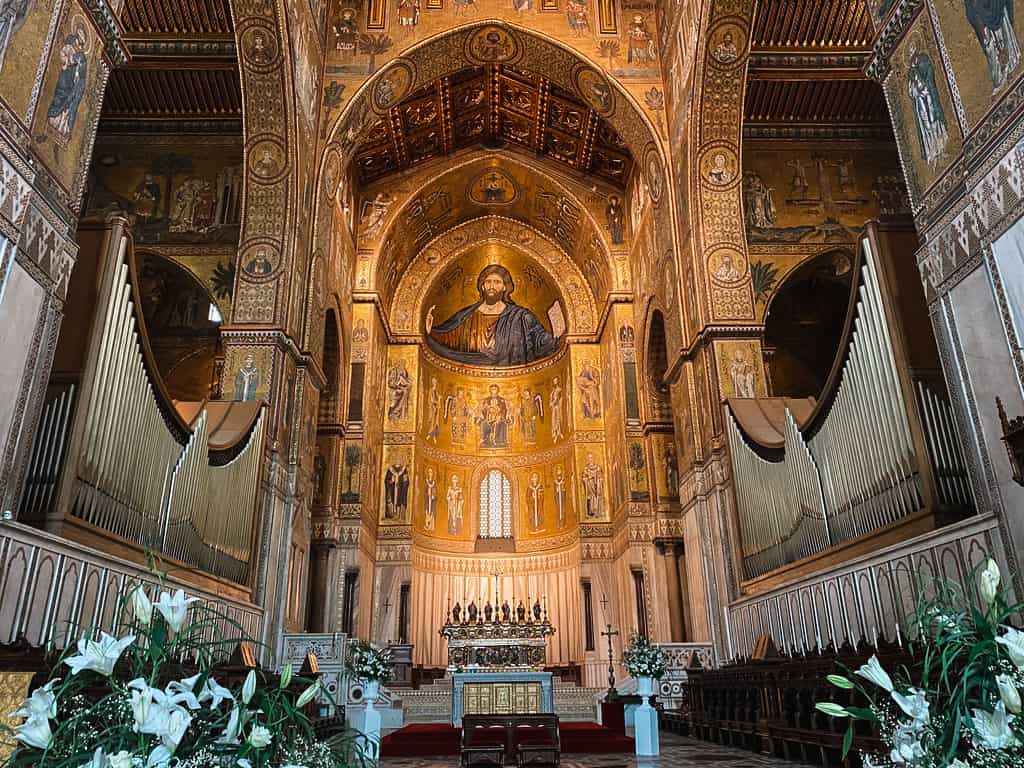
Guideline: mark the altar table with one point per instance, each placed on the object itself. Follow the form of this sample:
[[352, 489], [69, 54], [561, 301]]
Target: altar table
[[501, 693]]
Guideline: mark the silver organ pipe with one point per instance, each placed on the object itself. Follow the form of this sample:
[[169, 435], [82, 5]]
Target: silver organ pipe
[[944, 448], [47, 455], [859, 471], [785, 519], [211, 516], [128, 453], [134, 475]]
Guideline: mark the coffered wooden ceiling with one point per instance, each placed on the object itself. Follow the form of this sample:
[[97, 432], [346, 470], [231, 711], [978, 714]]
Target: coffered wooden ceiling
[[494, 106], [182, 72], [181, 18], [807, 66], [813, 25]]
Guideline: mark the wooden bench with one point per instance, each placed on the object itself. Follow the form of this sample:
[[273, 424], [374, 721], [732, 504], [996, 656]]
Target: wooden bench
[[527, 741], [768, 705]]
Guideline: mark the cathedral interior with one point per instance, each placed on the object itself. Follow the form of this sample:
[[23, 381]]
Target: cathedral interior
[[698, 319]]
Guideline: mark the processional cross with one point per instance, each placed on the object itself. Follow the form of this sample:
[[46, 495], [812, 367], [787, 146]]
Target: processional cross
[[612, 694]]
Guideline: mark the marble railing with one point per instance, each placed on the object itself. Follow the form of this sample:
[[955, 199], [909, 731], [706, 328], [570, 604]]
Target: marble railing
[[54, 589], [679, 657], [330, 650], [867, 598]]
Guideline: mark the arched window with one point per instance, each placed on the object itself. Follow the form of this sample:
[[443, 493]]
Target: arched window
[[495, 506]]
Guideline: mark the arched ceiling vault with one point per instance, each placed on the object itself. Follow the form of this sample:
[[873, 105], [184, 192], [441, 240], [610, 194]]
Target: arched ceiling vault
[[490, 44], [494, 105], [401, 215]]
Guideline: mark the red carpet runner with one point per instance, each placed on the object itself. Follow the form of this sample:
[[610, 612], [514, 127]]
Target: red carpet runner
[[438, 739]]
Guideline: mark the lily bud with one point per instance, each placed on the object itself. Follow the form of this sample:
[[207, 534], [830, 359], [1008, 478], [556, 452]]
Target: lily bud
[[142, 607], [249, 687], [990, 578], [286, 676], [307, 695]]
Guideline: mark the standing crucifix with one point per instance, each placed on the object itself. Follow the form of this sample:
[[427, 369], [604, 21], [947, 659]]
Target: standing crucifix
[[612, 694], [386, 605]]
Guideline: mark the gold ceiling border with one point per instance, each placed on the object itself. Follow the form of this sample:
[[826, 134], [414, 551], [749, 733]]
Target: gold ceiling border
[[718, 227], [481, 565], [427, 265]]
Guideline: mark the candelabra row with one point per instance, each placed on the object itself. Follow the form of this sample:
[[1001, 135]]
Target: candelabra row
[[458, 615]]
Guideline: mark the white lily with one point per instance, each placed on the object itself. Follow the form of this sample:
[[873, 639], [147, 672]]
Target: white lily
[[259, 737], [159, 713], [35, 732], [249, 686], [98, 760], [1013, 641], [914, 704], [237, 720], [100, 656], [873, 671], [178, 721], [958, 763], [1008, 693], [150, 715], [180, 692], [142, 607], [174, 608], [993, 728], [42, 703], [990, 578], [160, 757], [211, 691], [122, 759], [906, 746]]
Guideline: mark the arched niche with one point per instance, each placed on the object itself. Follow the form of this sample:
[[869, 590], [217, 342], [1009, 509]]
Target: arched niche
[[399, 216], [466, 243], [804, 324], [183, 325]]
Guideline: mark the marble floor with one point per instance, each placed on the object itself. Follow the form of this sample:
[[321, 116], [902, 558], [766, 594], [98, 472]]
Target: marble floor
[[676, 752]]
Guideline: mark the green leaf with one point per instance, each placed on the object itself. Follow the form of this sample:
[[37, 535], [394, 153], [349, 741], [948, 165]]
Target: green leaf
[[831, 709], [840, 682], [862, 713], [847, 741]]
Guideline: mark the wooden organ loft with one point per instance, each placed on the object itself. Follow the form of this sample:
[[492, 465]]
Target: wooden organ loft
[[120, 466], [875, 460]]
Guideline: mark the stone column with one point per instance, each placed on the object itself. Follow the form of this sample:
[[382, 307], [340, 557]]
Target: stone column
[[684, 594], [319, 571], [675, 604]]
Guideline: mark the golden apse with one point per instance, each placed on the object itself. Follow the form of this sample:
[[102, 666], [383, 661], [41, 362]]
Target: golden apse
[[493, 466]]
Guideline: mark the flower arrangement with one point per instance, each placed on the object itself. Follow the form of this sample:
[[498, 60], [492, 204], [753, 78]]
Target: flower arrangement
[[148, 698], [367, 663], [642, 659], [964, 709]]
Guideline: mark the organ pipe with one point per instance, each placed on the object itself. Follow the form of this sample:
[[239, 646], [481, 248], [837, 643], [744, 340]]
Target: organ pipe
[[858, 469], [140, 471]]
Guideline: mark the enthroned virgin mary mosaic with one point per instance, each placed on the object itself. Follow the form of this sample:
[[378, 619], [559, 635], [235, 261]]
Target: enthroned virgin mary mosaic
[[495, 331]]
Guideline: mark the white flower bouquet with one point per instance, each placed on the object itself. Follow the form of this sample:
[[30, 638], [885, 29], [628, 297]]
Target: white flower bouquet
[[148, 698], [642, 659], [963, 710], [367, 663]]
